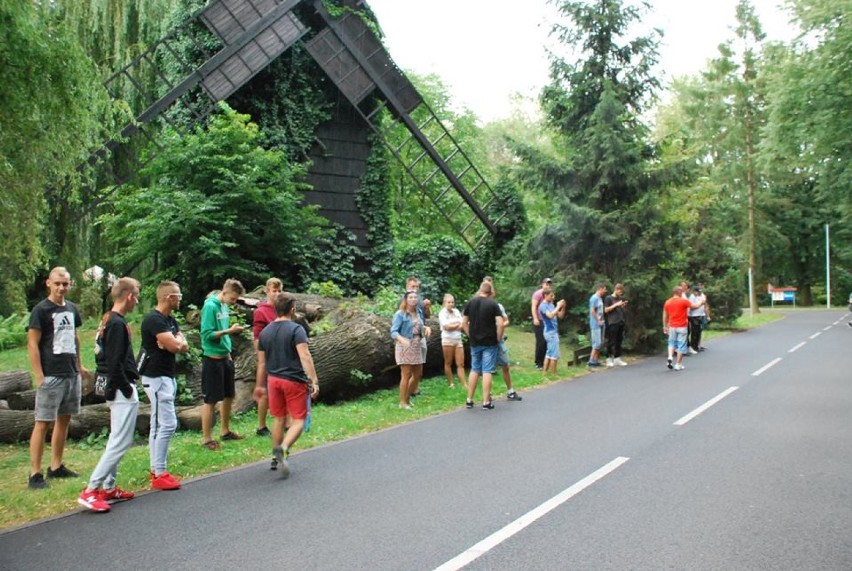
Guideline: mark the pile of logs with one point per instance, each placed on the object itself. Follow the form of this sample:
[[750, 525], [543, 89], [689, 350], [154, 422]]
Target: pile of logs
[[355, 357]]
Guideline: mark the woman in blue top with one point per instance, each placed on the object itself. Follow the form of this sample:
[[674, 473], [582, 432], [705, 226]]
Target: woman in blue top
[[406, 331], [550, 315]]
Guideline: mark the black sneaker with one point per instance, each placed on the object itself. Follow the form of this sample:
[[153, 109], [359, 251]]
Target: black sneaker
[[514, 396], [36, 482], [468, 403], [62, 472], [488, 405], [262, 431], [669, 363]]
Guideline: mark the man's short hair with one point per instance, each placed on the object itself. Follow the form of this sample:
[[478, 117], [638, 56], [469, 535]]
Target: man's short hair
[[165, 289], [600, 286], [234, 286], [274, 282], [486, 288], [122, 287], [617, 287], [284, 304], [58, 270]]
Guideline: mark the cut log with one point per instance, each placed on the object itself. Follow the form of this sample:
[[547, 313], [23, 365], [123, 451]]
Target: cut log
[[24, 400], [16, 425], [14, 382]]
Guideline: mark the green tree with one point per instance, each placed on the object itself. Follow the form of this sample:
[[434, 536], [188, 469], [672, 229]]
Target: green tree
[[218, 205], [52, 112]]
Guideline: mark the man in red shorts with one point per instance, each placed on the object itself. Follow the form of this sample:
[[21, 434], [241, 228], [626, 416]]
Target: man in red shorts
[[286, 375]]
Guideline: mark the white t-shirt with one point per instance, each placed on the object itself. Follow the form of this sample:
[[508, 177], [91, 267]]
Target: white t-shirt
[[447, 318], [699, 312]]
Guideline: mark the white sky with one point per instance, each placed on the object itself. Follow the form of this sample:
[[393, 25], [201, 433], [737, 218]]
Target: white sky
[[487, 50]]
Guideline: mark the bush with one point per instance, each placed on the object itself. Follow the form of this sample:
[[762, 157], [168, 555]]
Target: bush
[[13, 331]]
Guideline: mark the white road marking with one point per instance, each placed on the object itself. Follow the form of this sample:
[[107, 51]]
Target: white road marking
[[683, 420], [528, 518], [815, 335], [826, 328], [797, 347], [766, 367]]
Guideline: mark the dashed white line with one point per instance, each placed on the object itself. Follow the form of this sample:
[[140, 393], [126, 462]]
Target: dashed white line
[[827, 327], [797, 347], [815, 335], [683, 420], [766, 367], [528, 518]]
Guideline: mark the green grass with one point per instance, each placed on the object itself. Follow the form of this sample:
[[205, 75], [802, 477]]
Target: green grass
[[331, 423]]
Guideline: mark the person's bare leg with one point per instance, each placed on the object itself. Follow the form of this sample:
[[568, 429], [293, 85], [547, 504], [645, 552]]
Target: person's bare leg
[[459, 354], [37, 445], [449, 354], [226, 416], [58, 439], [207, 412]]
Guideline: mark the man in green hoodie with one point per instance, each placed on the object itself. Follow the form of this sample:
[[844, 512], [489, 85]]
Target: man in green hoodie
[[217, 366]]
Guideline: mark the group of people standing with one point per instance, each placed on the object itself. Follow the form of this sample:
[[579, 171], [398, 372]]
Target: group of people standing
[[483, 320], [286, 378]]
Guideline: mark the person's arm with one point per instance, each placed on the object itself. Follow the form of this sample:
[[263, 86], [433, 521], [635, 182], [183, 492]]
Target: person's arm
[[33, 339], [534, 310], [308, 366], [706, 308], [116, 342], [560, 308], [465, 325], [396, 326], [172, 343], [665, 321], [208, 326], [260, 376], [499, 321]]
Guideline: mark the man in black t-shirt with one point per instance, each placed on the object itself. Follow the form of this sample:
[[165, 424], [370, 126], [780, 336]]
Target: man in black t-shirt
[[53, 344], [161, 340], [482, 321], [614, 318], [285, 366]]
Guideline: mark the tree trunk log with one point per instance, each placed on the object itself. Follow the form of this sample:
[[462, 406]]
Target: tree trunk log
[[14, 382], [24, 400]]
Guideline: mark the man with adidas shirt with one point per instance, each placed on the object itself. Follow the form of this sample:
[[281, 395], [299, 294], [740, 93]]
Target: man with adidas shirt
[[53, 345], [161, 340]]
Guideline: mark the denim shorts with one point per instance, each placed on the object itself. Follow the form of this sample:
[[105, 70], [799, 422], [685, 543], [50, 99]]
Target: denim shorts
[[677, 338], [483, 358], [552, 340], [502, 355], [597, 337], [57, 396]]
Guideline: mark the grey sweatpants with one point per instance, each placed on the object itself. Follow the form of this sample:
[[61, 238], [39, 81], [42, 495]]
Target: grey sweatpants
[[161, 394], [122, 424]]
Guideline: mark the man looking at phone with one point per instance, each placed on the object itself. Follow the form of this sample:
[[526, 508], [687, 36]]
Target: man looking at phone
[[614, 316], [217, 366]]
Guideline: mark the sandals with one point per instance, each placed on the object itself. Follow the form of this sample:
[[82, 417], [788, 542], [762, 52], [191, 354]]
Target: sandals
[[231, 436], [211, 445]]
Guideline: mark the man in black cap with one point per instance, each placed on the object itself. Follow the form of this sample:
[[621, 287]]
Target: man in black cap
[[538, 326]]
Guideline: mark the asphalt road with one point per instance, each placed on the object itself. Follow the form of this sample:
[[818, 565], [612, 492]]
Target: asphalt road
[[741, 461]]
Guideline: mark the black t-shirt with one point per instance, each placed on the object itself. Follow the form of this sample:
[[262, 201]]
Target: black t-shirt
[[278, 341], [617, 314], [58, 344], [482, 313], [116, 361], [161, 363]]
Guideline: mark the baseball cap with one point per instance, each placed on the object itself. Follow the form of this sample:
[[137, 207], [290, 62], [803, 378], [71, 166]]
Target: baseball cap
[[547, 281]]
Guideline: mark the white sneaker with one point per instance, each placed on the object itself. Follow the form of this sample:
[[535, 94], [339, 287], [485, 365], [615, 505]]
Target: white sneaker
[[609, 362], [679, 367], [692, 351], [619, 362]]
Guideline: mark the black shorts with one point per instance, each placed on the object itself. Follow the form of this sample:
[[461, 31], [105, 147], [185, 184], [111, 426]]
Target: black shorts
[[217, 379]]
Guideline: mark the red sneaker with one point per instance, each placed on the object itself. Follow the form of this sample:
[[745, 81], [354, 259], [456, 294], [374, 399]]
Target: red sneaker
[[92, 499], [165, 481], [116, 495]]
